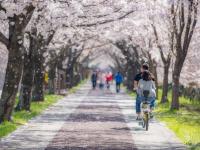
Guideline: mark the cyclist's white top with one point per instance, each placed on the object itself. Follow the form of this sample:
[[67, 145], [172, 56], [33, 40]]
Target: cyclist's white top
[[147, 85]]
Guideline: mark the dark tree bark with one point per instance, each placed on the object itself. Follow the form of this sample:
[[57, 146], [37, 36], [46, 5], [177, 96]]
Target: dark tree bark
[[76, 75], [52, 76], [153, 70], [26, 84], [165, 88], [38, 91], [28, 71], [2, 8], [152, 64], [39, 61], [12, 79], [176, 83], [166, 61], [70, 75], [15, 61], [132, 65], [28, 75], [56, 63], [72, 61], [183, 28], [131, 72]]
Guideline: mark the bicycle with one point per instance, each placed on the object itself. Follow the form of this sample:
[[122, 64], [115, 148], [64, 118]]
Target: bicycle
[[145, 107]]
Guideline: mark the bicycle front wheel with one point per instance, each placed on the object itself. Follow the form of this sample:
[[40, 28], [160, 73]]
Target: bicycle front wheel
[[147, 121]]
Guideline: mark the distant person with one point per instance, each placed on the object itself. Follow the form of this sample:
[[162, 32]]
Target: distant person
[[102, 80], [118, 80], [109, 78], [94, 79]]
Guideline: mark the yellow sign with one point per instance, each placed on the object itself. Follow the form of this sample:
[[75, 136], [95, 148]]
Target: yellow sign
[[46, 78]]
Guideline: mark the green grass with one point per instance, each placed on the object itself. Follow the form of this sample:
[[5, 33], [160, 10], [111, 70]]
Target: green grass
[[132, 94], [184, 122], [22, 117], [74, 89]]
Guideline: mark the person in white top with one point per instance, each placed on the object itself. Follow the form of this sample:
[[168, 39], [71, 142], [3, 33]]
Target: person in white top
[[147, 84]]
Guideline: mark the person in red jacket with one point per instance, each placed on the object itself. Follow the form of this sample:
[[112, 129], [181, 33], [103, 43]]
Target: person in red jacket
[[109, 78]]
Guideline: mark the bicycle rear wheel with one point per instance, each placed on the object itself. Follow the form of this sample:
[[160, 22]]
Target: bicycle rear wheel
[[144, 121], [147, 121]]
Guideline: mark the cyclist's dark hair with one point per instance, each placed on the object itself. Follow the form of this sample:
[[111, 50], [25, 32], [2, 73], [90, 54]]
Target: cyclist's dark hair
[[146, 75], [145, 66]]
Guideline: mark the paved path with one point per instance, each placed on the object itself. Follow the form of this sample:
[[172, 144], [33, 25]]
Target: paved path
[[91, 120]]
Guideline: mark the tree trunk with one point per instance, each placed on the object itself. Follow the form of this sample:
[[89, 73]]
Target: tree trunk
[[153, 70], [176, 77], [156, 78], [38, 91], [164, 98], [175, 92], [11, 83], [26, 84], [52, 75], [77, 76], [70, 76], [28, 74], [130, 77], [51, 86], [71, 72], [14, 44]]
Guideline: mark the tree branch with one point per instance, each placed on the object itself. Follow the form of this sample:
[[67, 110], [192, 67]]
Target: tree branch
[[50, 37], [29, 12], [158, 44], [2, 8], [194, 22], [105, 21], [4, 39], [191, 23]]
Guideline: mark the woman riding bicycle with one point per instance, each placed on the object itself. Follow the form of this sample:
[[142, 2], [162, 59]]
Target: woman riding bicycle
[[147, 84]]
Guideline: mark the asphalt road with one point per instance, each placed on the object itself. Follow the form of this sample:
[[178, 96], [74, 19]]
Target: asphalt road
[[91, 120]]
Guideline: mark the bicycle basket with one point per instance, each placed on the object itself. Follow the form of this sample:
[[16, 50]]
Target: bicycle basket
[[144, 105]]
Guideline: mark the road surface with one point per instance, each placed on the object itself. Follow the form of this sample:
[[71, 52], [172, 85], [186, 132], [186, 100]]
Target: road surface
[[91, 120]]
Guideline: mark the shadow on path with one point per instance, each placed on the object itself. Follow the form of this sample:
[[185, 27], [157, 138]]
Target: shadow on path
[[97, 124]]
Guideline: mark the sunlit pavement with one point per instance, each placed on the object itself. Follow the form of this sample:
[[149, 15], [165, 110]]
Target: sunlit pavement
[[91, 120], [159, 137]]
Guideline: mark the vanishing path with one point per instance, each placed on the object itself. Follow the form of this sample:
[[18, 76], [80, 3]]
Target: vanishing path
[[91, 120]]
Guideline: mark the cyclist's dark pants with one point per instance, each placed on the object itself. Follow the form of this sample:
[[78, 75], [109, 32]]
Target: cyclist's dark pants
[[94, 84], [108, 84], [139, 100], [118, 87]]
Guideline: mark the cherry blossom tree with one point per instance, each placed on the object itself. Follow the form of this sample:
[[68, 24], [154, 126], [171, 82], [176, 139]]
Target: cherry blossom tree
[[17, 20], [184, 19], [44, 36]]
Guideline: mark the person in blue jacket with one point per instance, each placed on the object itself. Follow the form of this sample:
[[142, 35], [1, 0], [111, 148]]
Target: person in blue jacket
[[118, 80]]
